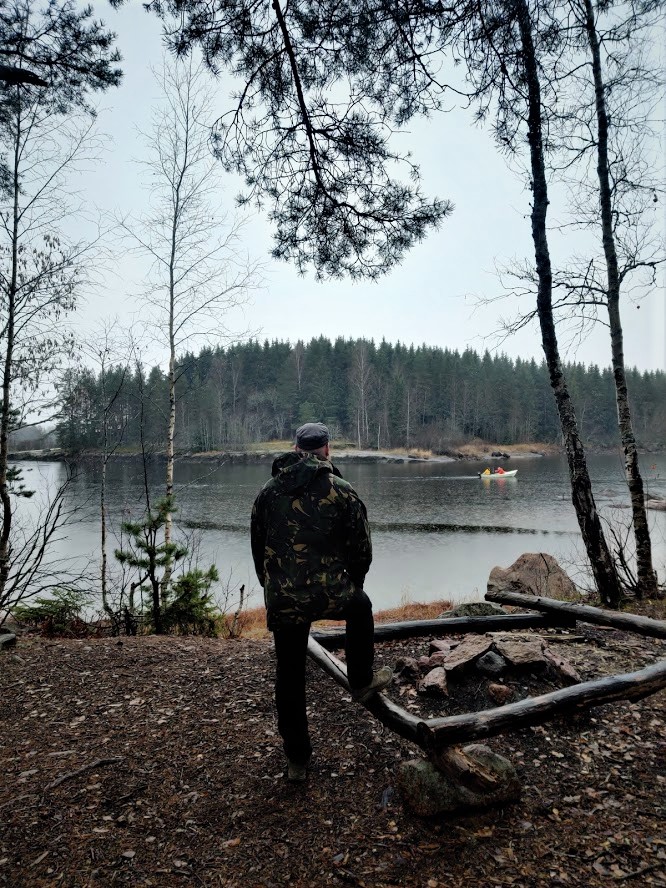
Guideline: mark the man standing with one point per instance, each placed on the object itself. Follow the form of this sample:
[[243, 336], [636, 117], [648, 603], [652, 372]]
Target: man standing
[[311, 550]]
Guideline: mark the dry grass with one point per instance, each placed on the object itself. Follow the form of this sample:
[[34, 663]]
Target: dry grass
[[343, 445], [472, 449], [253, 621], [271, 445], [413, 610], [478, 447], [414, 452]]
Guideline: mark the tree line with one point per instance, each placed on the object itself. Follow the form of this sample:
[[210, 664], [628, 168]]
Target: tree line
[[374, 395]]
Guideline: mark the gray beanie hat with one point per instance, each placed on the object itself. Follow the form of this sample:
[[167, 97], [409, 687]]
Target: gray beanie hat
[[312, 436]]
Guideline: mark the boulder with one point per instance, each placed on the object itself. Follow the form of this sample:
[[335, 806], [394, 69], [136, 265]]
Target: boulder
[[534, 573], [435, 682], [473, 609], [427, 791], [491, 664]]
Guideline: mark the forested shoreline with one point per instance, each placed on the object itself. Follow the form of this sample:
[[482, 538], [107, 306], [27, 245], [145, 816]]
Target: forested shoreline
[[371, 396]]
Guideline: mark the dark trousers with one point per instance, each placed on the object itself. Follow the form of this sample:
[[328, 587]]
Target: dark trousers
[[290, 652]]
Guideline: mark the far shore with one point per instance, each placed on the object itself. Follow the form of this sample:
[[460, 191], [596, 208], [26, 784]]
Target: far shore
[[475, 451], [261, 453]]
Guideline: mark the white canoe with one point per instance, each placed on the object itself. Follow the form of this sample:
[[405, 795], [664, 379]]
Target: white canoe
[[510, 474]]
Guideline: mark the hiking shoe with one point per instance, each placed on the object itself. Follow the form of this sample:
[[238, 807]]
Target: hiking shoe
[[380, 680], [296, 773]]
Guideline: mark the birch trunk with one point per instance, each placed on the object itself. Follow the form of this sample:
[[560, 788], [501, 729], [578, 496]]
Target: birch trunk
[[180, 169], [5, 410], [601, 562], [171, 432], [102, 507], [646, 575]]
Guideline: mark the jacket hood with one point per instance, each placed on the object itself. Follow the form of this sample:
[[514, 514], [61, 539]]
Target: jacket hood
[[293, 471]]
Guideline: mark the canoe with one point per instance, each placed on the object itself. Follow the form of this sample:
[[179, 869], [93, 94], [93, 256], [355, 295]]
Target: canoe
[[510, 474]]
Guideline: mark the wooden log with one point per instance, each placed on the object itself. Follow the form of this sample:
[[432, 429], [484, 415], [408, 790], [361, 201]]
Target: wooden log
[[395, 717], [454, 762], [438, 732], [334, 638], [457, 764], [628, 622]]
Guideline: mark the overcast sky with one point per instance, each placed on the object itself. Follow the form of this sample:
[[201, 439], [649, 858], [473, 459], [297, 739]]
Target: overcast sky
[[431, 298]]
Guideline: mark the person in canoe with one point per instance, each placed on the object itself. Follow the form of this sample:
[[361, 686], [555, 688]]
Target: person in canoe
[[487, 472], [499, 470]]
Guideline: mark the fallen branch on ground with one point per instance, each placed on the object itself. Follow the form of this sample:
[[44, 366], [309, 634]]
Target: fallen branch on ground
[[96, 764]]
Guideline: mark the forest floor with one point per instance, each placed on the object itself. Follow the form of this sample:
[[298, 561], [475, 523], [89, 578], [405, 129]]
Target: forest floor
[[155, 761]]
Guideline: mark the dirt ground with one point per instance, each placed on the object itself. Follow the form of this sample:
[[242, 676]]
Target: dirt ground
[[155, 761]]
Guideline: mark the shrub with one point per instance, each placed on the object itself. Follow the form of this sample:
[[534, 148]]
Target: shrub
[[59, 615], [190, 609]]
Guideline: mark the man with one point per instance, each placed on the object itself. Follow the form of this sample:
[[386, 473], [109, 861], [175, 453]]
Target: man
[[311, 550]]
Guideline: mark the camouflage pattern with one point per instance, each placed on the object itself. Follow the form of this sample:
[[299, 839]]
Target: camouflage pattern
[[310, 541]]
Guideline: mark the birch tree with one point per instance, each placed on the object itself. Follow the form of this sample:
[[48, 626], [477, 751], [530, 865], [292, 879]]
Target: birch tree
[[624, 100], [602, 145], [506, 48], [44, 130], [198, 271]]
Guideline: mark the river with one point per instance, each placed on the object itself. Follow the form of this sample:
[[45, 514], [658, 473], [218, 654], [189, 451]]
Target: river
[[437, 529]]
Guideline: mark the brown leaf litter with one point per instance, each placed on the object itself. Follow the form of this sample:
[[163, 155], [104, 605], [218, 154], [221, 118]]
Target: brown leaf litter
[[155, 761]]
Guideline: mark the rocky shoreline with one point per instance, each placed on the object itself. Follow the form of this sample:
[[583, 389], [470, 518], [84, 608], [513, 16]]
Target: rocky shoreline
[[249, 457], [468, 452]]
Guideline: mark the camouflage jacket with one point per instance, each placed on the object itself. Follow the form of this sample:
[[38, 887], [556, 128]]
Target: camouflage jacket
[[310, 541]]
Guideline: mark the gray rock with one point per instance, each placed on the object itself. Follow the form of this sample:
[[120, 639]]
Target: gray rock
[[491, 664], [534, 573], [427, 791], [522, 652], [561, 667], [407, 669], [438, 644], [467, 653], [7, 639], [435, 682], [473, 609]]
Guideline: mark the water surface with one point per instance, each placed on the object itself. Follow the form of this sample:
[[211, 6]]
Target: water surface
[[437, 529]]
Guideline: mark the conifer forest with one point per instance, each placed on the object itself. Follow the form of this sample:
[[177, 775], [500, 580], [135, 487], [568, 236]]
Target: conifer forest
[[371, 395]]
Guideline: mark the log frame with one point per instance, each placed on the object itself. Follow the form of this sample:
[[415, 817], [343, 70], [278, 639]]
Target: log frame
[[335, 638], [388, 713], [454, 762], [437, 735], [584, 612], [434, 734], [437, 732]]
